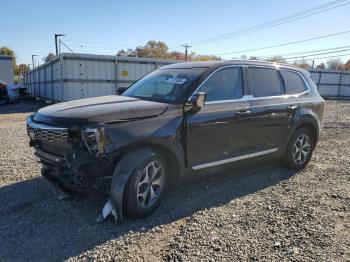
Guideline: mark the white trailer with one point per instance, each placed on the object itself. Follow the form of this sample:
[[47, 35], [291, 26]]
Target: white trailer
[[76, 76], [6, 69]]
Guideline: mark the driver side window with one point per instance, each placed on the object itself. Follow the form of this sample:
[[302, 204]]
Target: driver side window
[[225, 84]]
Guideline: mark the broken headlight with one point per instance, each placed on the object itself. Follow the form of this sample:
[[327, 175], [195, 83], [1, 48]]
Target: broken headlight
[[93, 138]]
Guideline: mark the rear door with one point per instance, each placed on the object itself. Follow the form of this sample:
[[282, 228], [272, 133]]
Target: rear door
[[221, 128], [271, 109]]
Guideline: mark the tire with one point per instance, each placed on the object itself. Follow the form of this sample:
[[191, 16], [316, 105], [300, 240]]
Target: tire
[[146, 186], [299, 150]]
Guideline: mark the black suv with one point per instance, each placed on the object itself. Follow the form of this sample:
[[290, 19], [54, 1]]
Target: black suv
[[176, 121]]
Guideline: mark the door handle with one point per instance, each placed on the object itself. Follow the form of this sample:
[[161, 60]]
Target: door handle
[[243, 112], [292, 107]]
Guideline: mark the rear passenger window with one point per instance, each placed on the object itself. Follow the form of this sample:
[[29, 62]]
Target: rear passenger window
[[265, 82], [225, 84], [293, 82]]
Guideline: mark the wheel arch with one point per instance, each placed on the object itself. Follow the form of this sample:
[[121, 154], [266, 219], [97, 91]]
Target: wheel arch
[[125, 166], [173, 155], [307, 120]]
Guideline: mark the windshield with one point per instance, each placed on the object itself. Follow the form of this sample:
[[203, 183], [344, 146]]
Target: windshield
[[164, 85]]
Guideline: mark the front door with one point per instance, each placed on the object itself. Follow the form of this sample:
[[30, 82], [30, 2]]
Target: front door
[[220, 130]]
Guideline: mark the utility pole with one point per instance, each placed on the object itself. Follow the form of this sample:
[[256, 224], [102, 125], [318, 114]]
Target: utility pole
[[186, 46], [57, 35], [313, 64], [33, 60]]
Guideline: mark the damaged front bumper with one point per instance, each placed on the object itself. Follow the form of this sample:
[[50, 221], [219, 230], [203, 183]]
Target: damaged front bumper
[[76, 172]]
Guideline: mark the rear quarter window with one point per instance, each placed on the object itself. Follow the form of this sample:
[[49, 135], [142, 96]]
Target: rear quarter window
[[265, 82], [293, 82]]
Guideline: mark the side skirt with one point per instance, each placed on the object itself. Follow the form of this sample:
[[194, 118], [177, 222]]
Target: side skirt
[[233, 159]]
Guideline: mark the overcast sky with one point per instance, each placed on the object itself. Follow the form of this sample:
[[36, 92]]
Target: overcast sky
[[105, 26]]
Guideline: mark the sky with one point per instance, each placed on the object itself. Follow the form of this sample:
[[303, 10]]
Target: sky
[[106, 26]]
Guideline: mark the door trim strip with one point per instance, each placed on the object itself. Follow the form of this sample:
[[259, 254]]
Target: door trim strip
[[233, 159]]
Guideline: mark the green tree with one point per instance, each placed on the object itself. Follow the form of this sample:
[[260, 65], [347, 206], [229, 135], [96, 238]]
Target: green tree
[[7, 51], [22, 69]]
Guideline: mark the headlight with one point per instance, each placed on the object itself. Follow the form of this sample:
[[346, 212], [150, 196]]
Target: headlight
[[93, 138]]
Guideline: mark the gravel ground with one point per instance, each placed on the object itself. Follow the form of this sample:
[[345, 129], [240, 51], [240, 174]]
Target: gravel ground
[[264, 213]]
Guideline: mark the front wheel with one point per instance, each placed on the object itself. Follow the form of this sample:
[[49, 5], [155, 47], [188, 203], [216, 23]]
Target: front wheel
[[299, 149], [146, 186]]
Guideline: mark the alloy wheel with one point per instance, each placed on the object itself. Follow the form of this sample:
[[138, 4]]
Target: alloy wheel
[[301, 149], [150, 184]]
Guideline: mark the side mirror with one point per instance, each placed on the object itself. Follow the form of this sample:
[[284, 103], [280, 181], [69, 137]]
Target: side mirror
[[121, 90], [198, 99]]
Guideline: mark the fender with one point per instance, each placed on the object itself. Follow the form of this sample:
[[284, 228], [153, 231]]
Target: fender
[[301, 117], [122, 173]]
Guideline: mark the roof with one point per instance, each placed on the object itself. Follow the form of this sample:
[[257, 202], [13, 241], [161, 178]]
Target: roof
[[216, 64]]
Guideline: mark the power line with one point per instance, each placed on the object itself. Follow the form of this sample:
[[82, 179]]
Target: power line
[[325, 53], [293, 17], [309, 53], [284, 44], [61, 42], [317, 58]]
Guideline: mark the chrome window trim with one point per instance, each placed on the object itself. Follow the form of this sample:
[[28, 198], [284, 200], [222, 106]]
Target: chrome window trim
[[233, 159], [222, 101], [284, 95], [242, 99], [250, 97]]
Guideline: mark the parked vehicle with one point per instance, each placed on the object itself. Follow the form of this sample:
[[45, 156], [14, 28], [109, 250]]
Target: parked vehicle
[[4, 97], [178, 120]]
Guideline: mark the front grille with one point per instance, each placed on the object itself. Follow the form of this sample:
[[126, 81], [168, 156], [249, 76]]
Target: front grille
[[37, 131], [47, 134]]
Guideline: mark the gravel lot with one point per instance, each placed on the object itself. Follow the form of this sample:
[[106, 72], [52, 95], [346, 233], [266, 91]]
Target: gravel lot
[[262, 213]]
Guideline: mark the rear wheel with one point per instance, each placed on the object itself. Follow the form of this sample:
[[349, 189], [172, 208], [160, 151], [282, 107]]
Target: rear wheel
[[300, 148]]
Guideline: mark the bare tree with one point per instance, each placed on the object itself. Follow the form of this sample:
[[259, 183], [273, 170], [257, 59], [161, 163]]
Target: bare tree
[[321, 66], [335, 64]]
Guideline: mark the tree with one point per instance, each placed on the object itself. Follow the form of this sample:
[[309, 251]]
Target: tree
[[321, 66], [278, 59], [253, 58], [7, 51], [304, 65], [50, 57], [335, 64], [176, 55], [158, 49], [22, 69], [153, 49], [347, 65], [128, 52]]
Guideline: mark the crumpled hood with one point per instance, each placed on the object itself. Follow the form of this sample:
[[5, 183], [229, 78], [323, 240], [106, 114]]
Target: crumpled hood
[[98, 109]]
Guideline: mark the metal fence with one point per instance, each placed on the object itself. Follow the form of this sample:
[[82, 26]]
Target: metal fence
[[75, 76], [332, 84]]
